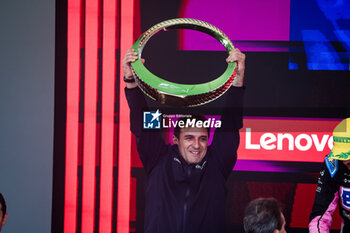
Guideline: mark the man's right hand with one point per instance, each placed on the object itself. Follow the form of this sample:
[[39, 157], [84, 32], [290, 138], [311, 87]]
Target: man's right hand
[[129, 57]]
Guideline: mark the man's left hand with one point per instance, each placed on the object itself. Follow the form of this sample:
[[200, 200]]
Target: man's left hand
[[237, 56]]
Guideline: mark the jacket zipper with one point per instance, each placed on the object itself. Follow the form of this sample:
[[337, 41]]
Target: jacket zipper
[[186, 199]]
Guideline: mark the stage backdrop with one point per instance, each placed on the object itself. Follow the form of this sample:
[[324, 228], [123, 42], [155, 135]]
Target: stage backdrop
[[27, 105], [294, 97]]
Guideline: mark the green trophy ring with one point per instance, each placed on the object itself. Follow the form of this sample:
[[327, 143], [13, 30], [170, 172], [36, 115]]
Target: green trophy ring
[[177, 94]]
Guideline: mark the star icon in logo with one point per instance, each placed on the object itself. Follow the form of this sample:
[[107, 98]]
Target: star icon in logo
[[156, 115]]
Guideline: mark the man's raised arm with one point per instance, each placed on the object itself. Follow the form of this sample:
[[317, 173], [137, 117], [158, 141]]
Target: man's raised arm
[[150, 145], [226, 139]]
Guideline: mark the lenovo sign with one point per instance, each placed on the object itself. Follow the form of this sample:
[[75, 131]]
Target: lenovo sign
[[299, 140], [302, 142]]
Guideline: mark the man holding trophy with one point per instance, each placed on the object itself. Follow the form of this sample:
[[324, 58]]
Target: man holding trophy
[[186, 181]]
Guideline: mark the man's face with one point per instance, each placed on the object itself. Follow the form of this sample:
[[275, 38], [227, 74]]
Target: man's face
[[3, 217], [347, 163], [192, 144]]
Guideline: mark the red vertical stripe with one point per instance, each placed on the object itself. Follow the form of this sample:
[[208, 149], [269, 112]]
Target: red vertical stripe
[[72, 121], [90, 99], [126, 39], [107, 115]]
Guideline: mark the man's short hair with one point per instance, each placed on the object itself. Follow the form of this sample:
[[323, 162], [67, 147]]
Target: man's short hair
[[263, 215], [197, 117], [3, 204]]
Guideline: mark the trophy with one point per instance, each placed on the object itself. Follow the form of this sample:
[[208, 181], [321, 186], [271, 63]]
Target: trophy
[[176, 94]]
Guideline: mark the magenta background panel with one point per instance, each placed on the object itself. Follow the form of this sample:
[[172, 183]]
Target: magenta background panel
[[248, 20]]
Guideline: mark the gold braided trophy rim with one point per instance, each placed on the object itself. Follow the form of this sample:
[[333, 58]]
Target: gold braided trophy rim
[[176, 94]]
